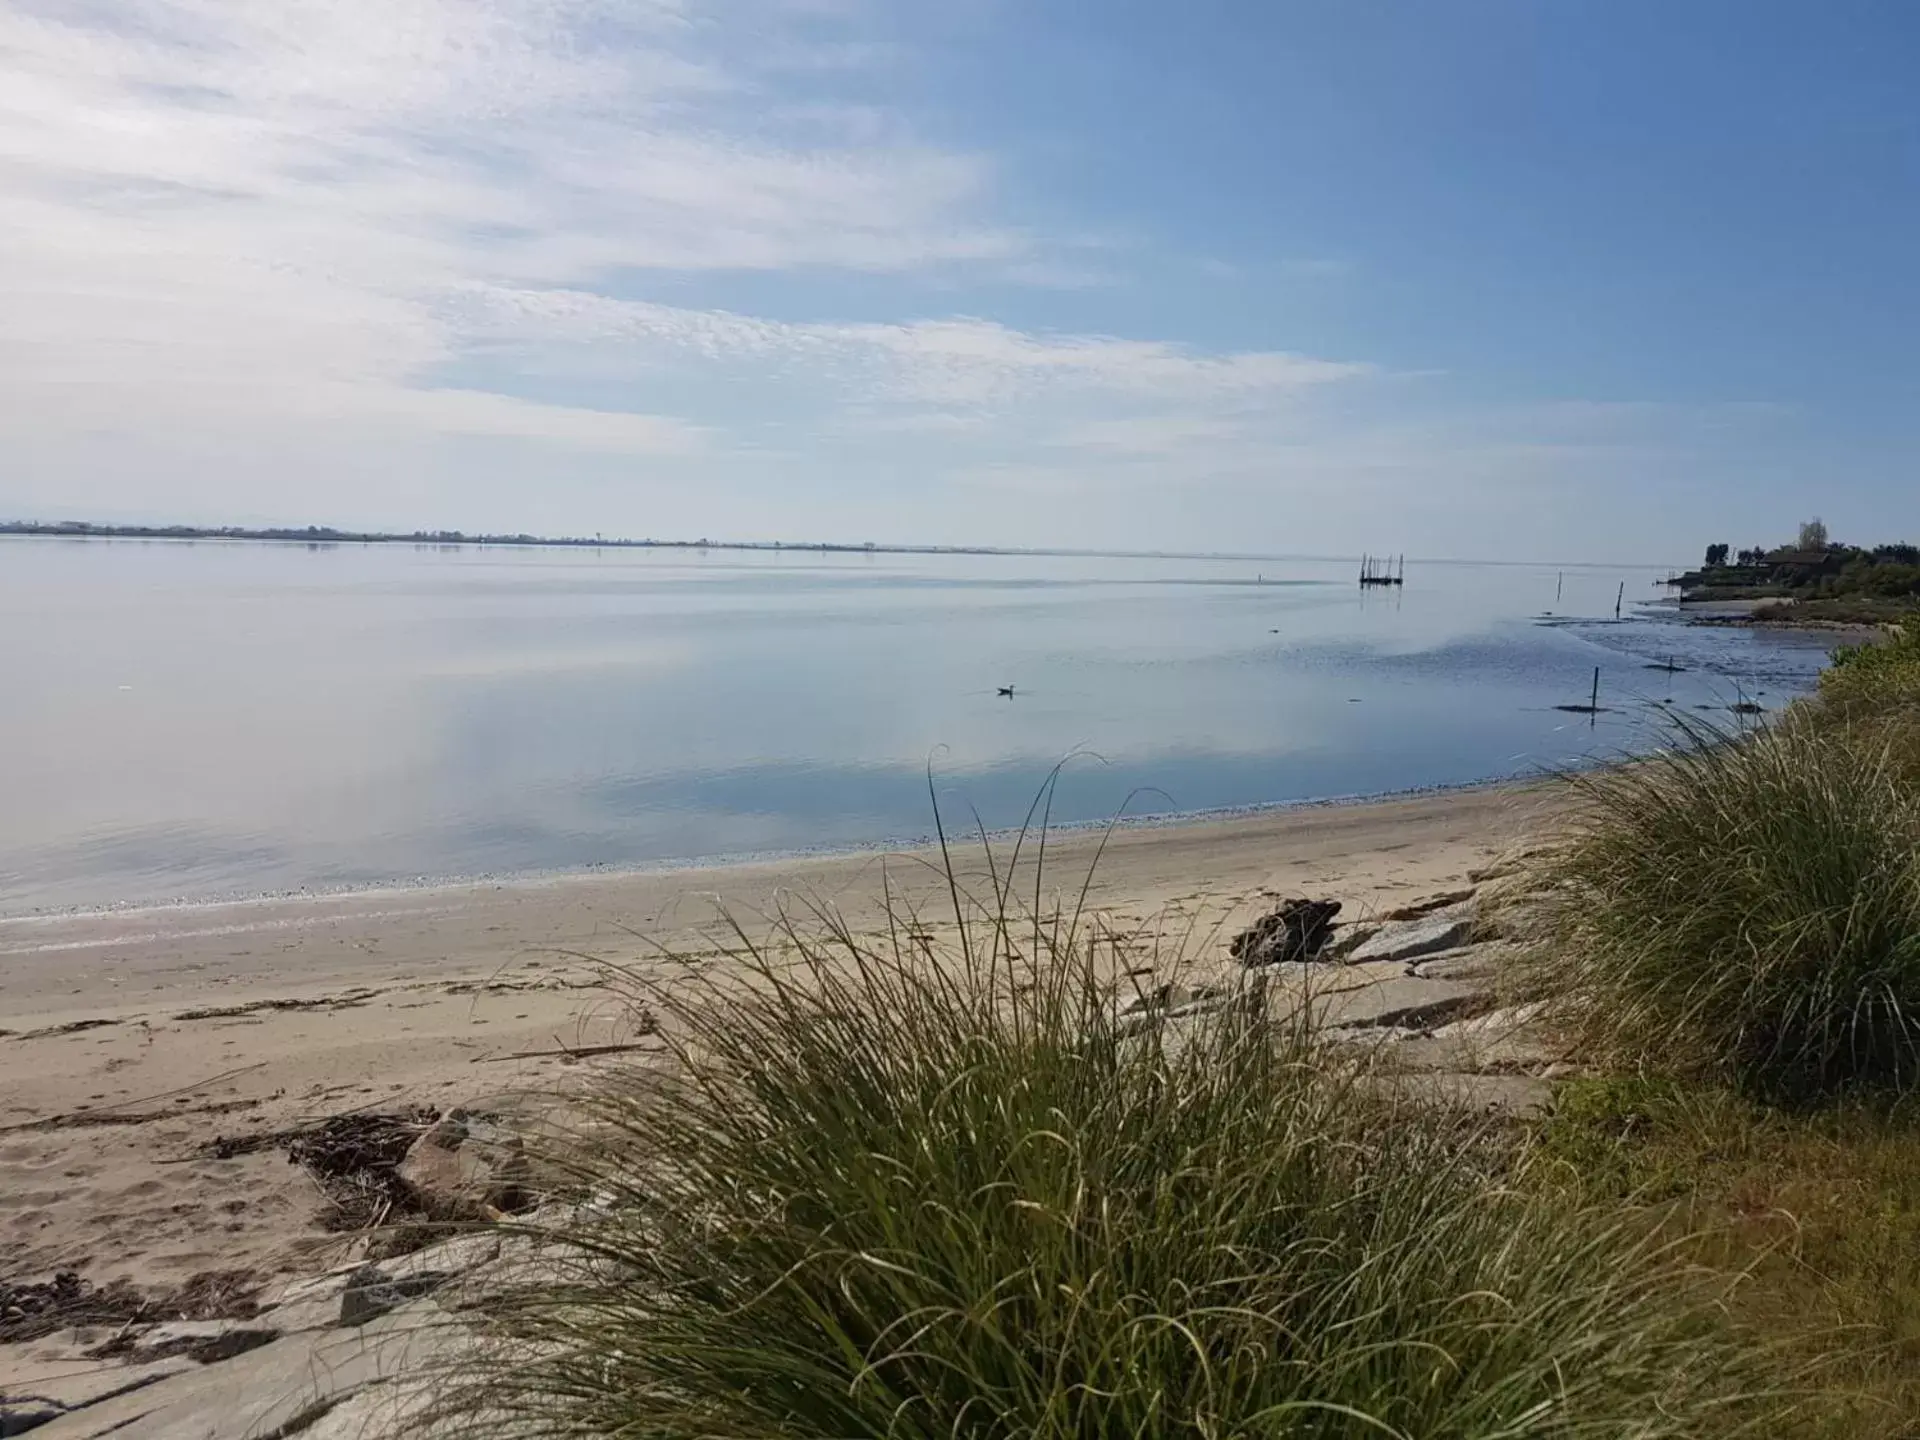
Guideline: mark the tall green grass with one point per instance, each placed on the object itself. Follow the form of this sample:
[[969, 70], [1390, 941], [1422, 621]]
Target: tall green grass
[[939, 1186], [1874, 678], [1818, 1208], [1748, 905]]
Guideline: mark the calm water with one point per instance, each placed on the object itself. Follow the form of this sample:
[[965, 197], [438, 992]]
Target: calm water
[[210, 719]]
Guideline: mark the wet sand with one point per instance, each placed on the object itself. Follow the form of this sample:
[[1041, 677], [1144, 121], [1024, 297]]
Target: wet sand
[[129, 1041]]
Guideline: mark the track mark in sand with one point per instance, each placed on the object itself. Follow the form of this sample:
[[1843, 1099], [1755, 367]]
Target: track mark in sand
[[84, 1119], [495, 987], [320, 1002], [72, 1027]]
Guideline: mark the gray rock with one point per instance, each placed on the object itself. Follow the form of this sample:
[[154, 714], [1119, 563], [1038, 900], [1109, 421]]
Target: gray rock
[[1503, 1041], [18, 1419], [419, 1411], [312, 1303], [1452, 901], [205, 1342], [1410, 939], [292, 1382], [1469, 962], [1494, 1024], [371, 1291], [1172, 996], [454, 1256], [64, 1371], [1401, 1003], [1503, 1094]]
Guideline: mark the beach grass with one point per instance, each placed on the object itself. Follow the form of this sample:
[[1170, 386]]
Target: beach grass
[[1742, 907], [1875, 679], [944, 1185], [1818, 1210]]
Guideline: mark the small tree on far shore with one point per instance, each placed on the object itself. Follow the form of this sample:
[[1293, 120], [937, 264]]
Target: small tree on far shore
[[1813, 534], [1716, 556]]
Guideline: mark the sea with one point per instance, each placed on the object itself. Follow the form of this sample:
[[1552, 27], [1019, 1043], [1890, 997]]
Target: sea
[[188, 721]]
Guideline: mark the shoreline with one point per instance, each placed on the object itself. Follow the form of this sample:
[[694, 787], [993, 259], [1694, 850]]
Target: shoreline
[[697, 865], [1742, 615]]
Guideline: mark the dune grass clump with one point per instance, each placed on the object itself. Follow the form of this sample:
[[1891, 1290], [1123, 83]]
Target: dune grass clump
[[1873, 693], [940, 1186], [1875, 677], [1743, 905]]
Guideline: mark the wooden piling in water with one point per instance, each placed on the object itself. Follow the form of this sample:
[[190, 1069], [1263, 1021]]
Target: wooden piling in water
[[1380, 570]]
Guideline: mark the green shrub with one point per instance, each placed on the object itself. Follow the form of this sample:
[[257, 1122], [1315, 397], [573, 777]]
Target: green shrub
[[907, 1189], [1874, 677], [1744, 905]]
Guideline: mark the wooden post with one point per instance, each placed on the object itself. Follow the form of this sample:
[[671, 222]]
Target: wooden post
[[1558, 586], [1595, 702], [1619, 599]]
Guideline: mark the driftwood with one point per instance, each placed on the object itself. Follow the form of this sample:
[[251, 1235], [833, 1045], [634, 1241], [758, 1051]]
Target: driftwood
[[1298, 930]]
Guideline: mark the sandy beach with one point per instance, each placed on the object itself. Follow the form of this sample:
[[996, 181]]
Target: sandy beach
[[130, 1041]]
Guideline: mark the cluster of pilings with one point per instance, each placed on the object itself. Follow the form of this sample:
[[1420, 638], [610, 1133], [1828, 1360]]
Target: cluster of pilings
[[1377, 571]]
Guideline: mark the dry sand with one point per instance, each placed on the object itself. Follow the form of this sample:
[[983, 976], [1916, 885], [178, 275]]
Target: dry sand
[[131, 1040]]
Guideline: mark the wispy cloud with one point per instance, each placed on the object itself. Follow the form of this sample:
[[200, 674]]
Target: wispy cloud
[[930, 375], [278, 198]]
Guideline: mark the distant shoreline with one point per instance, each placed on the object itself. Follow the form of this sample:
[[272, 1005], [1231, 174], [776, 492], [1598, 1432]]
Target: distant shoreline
[[317, 535], [329, 535]]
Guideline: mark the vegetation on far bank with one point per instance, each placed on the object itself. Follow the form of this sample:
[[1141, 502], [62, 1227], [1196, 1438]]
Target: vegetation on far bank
[[1812, 579]]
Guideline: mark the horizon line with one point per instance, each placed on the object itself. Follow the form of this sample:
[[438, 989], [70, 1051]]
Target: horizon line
[[334, 535]]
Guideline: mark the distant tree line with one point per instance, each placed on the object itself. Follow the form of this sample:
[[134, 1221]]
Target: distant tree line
[[1814, 567]]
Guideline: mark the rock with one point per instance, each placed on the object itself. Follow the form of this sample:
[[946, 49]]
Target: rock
[[404, 1407], [1495, 1024], [465, 1167], [278, 1389], [454, 1256], [1409, 939], [49, 1381], [1420, 909], [205, 1342], [371, 1292], [312, 1303], [19, 1419], [1494, 1094], [1500, 1041], [1401, 1003], [1298, 930], [1161, 997], [1352, 937], [1469, 962]]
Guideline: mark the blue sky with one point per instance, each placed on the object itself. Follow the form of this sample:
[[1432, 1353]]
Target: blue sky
[[1559, 279]]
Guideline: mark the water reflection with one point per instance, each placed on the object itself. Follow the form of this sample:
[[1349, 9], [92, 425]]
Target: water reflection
[[206, 719]]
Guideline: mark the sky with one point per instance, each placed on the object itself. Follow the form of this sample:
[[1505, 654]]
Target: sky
[[1548, 279]]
